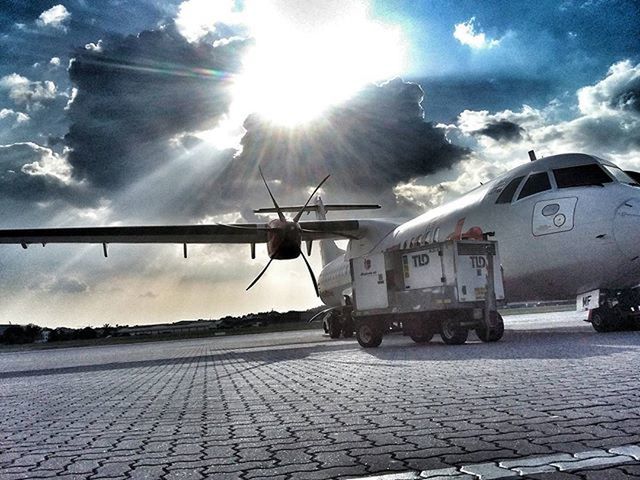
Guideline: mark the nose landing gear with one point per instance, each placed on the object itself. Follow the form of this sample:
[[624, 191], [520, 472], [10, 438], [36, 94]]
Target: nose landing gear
[[618, 310]]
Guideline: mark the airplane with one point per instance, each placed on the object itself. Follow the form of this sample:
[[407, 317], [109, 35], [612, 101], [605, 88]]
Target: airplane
[[568, 226]]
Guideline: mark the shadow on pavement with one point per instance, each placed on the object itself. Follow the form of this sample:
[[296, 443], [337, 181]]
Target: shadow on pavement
[[520, 344]]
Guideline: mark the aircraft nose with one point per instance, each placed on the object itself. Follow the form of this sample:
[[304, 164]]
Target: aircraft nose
[[626, 227]]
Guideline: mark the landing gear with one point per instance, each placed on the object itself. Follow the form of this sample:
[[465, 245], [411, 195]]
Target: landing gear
[[492, 333], [369, 334], [451, 332], [339, 323], [600, 321], [618, 310]]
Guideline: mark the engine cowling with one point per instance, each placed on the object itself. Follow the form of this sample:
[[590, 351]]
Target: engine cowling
[[284, 239]]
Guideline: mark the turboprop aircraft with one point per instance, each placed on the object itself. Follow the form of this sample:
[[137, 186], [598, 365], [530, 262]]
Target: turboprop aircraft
[[568, 226]]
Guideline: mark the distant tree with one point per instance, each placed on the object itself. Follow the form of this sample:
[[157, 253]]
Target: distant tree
[[18, 334], [86, 333]]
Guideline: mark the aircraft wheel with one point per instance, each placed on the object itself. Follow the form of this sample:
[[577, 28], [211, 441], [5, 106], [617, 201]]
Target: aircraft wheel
[[369, 335], [600, 321], [452, 333], [422, 338], [494, 334], [334, 327]]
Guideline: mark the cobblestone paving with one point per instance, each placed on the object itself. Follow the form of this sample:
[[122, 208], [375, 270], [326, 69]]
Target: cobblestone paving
[[322, 410]]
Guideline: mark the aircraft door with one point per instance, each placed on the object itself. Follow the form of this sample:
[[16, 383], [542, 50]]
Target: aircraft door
[[553, 216]]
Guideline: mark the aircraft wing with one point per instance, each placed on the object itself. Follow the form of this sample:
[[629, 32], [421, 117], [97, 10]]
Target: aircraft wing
[[211, 233]]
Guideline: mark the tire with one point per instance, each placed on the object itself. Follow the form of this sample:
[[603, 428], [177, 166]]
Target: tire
[[422, 338], [452, 333], [494, 334], [600, 321], [369, 335]]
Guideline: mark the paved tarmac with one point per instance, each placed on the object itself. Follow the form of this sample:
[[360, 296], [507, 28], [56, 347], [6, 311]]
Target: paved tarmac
[[553, 399]]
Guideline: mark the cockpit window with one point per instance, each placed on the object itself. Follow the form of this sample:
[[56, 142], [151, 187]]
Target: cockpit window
[[509, 190], [581, 176], [536, 183], [619, 175]]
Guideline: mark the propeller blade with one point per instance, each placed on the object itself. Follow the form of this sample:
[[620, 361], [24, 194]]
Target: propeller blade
[[313, 277], [255, 280], [273, 199], [299, 214]]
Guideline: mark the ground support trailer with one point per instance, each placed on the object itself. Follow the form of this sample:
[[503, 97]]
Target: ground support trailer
[[446, 288]]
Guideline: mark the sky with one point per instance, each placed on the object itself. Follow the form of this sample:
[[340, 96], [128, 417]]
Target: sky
[[148, 113]]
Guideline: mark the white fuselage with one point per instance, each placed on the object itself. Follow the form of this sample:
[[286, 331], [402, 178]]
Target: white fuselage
[[588, 237]]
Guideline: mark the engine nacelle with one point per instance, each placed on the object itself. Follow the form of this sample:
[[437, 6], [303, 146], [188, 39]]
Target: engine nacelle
[[284, 239]]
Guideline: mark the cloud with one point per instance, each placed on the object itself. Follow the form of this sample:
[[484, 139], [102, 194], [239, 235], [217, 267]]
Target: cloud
[[25, 92], [32, 173], [467, 34], [55, 61], [14, 118], [619, 91], [502, 130], [66, 285], [368, 144], [147, 89], [55, 17], [606, 124], [197, 19]]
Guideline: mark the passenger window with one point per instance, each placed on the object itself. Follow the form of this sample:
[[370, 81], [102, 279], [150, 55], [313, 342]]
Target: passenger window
[[536, 183], [427, 237], [436, 233], [581, 176], [412, 242], [509, 190], [419, 240]]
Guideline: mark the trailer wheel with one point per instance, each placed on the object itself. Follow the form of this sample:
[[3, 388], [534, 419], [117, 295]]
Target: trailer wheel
[[452, 333], [494, 334], [369, 335], [422, 338]]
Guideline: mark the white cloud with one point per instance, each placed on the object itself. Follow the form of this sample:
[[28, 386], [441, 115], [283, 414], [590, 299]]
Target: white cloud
[[94, 47], [197, 18], [55, 61], [17, 118], [620, 90], [606, 124], [55, 17], [25, 92], [50, 164], [467, 34]]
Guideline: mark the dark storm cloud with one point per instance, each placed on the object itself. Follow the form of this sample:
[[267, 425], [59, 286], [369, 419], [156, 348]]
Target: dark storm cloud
[[628, 99], [135, 94], [502, 130], [368, 145]]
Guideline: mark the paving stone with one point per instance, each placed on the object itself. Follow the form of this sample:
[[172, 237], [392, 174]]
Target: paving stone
[[325, 409]]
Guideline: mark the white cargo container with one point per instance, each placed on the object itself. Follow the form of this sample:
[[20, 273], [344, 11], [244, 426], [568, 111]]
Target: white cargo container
[[447, 288]]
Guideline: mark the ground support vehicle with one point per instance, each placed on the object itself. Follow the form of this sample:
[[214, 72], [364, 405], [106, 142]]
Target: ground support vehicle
[[611, 310], [445, 288]]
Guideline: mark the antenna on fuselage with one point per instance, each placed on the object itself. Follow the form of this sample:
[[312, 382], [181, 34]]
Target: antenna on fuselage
[[532, 156]]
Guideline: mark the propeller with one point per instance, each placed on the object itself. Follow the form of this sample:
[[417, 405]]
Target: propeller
[[286, 243]]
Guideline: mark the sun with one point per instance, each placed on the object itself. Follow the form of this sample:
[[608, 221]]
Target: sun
[[305, 62]]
